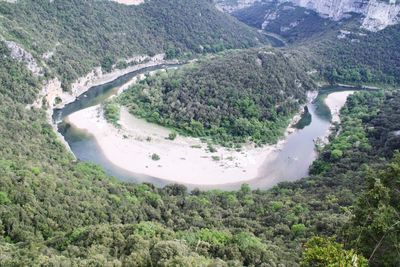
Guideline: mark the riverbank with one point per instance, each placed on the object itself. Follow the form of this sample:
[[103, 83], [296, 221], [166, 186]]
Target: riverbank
[[52, 96], [56, 98], [144, 148], [137, 145], [335, 101]]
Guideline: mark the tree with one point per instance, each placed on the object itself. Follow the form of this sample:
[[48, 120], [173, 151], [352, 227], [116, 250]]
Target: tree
[[325, 252], [375, 227]]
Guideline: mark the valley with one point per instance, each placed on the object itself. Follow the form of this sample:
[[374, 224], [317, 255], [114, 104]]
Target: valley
[[199, 133]]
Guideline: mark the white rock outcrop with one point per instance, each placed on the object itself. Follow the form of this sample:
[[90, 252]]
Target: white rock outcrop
[[20, 54], [54, 96], [377, 14]]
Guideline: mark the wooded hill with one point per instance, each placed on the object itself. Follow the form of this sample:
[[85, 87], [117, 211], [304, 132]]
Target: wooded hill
[[81, 35], [232, 98], [343, 51]]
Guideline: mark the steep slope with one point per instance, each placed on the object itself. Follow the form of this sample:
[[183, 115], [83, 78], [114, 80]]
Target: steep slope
[[342, 52], [54, 211], [377, 14], [73, 37], [292, 22], [358, 57]]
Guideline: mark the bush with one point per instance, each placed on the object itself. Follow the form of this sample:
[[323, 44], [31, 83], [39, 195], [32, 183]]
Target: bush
[[172, 136], [112, 112], [155, 157]]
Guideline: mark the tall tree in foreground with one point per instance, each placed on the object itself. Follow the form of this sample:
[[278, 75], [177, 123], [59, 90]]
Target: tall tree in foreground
[[375, 227]]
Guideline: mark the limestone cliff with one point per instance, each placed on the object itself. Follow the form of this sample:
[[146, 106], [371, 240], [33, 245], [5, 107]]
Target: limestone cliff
[[377, 14]]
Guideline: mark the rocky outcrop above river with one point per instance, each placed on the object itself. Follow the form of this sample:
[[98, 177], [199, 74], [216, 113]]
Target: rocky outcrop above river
[[20, 54], [54, 96], [377, 14]]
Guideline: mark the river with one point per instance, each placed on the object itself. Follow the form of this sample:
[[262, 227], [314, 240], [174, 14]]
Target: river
[[290, 162]]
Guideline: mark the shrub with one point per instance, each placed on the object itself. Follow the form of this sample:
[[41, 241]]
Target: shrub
[[155, 157]]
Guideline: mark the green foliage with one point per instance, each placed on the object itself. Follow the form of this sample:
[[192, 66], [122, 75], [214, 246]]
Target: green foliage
[[74, 213], [298, 229], [112, 112], [325, 252], [336, 154], [375, 227], [86, 34], [4, 198], [232, 98], [361, 57], [308, 23], [172, 136], [353, 136], [352, 60], [155, 157], [58, 212]]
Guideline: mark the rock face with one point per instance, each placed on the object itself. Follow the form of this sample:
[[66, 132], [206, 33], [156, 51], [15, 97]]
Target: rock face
[[377, 14], [20, 54]]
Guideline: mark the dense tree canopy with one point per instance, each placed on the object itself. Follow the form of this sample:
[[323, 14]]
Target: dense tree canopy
[[80, 35], [232, 98]]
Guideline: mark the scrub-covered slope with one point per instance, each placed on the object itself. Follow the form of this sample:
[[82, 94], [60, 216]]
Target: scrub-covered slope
[[73, 37]]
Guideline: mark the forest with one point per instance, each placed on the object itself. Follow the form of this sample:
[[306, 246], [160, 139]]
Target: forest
[[360, 58], [293, 23], [79, 35], [55, 211], [231, 98], [342, 52]]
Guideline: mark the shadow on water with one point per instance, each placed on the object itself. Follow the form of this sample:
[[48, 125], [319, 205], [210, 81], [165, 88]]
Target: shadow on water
[[306, 119]]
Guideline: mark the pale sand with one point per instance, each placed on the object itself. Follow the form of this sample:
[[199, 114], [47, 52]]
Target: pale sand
[[335, 101], [180, 160], [129, 2]]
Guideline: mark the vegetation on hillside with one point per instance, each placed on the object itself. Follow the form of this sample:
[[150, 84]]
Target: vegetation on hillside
[[54, 211], [292, 22], [360, 58], [77, 36], [342, 52], [232, 98]]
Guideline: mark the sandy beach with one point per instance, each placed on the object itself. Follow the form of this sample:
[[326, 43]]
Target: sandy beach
[[335, 101], [184, 160]]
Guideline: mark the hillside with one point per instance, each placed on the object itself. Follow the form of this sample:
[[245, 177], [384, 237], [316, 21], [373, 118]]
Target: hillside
[[342, 51], [356, 57], [70, 38], [233, 98], [294, 23], [374, 15]]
